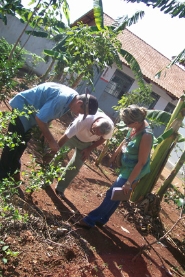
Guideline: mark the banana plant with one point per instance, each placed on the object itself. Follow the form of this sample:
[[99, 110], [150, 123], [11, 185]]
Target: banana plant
[[161, 152]]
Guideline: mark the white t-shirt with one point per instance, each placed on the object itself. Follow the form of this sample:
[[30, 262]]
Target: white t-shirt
[[81, 128]]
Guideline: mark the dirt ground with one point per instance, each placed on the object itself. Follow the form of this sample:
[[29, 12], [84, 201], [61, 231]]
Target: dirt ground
[[50, 244]]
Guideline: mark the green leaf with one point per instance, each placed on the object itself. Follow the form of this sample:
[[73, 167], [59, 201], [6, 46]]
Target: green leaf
[[4, 260], [65, 8], [98, 13], [181, 138], [4, 248], [158, 116], [180, 202]]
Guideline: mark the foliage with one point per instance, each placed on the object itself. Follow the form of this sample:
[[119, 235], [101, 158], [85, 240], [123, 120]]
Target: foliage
[[140, 96], [9, 7], [46, 15], [9, 139], [82, 51], [120, 132], [174, 195], [9, 68], [174, 8], [5, 251], [41, 175]]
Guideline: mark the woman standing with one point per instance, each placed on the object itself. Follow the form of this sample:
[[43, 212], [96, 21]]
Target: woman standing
[[135, 163]]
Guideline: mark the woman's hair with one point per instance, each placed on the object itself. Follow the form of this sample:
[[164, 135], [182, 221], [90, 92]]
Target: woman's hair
[[133, 113], [104, 125]]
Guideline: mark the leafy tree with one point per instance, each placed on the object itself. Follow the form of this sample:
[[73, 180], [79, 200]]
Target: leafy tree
[[79, 49]]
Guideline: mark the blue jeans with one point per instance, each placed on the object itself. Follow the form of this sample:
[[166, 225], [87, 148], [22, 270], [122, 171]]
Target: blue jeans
[[106, 208]]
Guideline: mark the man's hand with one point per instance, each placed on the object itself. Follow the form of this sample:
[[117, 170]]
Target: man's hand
[[47, 158], [85, 154], [54, 146]]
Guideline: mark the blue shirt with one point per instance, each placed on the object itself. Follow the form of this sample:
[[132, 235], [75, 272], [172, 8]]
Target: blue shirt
[[47, 101]]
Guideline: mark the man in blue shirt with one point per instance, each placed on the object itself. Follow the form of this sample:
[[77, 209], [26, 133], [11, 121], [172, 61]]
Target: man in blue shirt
[[41, 105]]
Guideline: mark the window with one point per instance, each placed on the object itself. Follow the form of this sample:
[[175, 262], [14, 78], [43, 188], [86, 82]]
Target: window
[[155, 97], [119, 84], [169, 108]]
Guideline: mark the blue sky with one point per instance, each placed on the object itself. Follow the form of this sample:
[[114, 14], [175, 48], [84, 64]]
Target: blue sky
[[162, 32]]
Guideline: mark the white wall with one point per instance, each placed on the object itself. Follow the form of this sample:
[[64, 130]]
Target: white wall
[[12, 31]]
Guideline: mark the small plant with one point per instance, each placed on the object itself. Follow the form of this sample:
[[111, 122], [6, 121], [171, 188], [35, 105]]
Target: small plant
[[5, 251], [42, 175]]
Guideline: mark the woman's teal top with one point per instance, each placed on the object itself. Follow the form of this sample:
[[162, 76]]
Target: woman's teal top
[[129, 156]]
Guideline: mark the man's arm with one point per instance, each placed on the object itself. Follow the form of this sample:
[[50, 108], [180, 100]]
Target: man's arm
[[62, 140], [86, 152], [47, 134]]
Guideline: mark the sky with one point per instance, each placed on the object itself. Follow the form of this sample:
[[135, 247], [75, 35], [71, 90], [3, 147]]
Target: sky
[[159, 30]]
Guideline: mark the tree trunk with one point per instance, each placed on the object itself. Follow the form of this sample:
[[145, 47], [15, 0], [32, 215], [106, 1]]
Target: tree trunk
[[77, 81], [44, 76]]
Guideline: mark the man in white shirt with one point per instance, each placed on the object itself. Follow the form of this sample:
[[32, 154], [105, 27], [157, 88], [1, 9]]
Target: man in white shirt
[[83, 135]]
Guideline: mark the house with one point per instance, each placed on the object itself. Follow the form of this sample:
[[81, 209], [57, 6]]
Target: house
[[112, 83]]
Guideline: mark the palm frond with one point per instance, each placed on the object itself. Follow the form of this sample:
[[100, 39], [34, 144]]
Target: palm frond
[[177, 59], [134, 65], [172, 7], [122, 22]]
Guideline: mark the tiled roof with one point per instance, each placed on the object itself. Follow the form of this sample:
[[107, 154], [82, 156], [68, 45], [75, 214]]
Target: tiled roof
[[150, 60]]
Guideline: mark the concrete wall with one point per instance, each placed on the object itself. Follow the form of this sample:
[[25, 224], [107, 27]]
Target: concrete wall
[[12, 31]]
